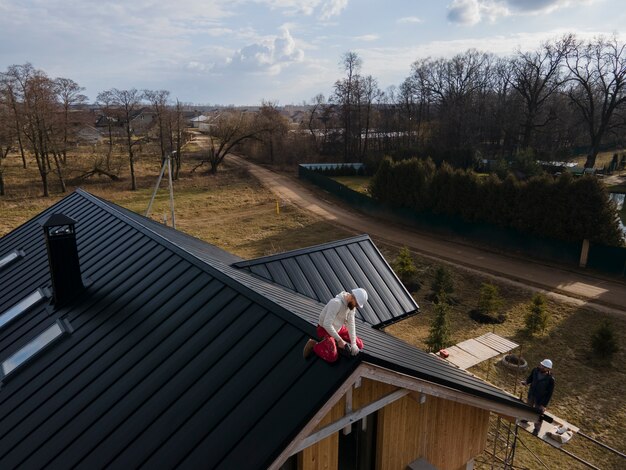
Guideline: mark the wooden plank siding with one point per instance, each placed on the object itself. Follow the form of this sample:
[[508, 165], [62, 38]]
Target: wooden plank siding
[[325, 454], [446, 433]]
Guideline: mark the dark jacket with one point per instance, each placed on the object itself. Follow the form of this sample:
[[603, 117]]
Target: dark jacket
[[541, 387]]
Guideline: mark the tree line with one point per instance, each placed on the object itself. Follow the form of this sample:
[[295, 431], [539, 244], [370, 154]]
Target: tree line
[[564, 97], [565, 208], [36, 118]]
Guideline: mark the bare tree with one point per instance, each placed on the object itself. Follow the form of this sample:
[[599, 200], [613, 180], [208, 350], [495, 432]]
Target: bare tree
[[229, 129], [39, 109], [12, 91], [414, 102], [272, 127], [456, 87], [503, 108], [159, 100], [369, 92], [106, 101], [596, 87], [69, 94], [314, 118], [344, 96], [128, 102], [178, 135], [536, 76], [7, 137]]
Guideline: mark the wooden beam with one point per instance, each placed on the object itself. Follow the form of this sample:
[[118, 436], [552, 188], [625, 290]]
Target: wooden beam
[[349, 419], [348, 410], [381, 374]]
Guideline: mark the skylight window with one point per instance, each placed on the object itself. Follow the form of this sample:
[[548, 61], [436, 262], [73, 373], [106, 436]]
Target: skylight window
[[38, 344], [22, 306], [9, 258]]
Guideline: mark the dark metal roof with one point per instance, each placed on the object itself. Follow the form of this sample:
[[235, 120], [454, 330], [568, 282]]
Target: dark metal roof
[[175, 358], [321, 272]]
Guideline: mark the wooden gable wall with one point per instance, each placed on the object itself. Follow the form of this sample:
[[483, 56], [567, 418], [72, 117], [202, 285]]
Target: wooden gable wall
[[446, 433]]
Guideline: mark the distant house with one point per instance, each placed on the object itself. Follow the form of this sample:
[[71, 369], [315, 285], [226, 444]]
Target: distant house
[[141, 120], [89, 135], [204, 122], [106, 121], [125, 344]]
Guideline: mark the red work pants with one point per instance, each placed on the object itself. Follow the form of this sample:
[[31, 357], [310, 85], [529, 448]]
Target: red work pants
[[327, 346]]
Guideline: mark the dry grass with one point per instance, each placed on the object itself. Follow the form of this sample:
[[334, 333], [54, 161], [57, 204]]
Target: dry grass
[[229, 209], [234, 212]]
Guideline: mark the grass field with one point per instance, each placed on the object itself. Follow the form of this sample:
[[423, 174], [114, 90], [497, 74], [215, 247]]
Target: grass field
[[233, 211], [228, 209]]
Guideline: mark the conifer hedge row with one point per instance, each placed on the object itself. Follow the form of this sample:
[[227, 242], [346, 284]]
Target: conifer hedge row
[[565, 208]]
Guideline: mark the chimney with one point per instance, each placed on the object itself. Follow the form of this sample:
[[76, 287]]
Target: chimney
[[63, 258]]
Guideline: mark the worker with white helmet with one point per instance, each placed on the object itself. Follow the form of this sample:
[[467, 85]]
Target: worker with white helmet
[[336, 328], [541, 383]]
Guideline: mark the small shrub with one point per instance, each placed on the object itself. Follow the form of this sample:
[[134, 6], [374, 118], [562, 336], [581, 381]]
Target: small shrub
[[537, 316], [603, 341], [489, 304], [439, 335], [443, 285], [405, 268]]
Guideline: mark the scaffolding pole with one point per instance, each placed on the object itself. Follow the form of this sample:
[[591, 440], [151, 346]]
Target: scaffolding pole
[[167, 163]]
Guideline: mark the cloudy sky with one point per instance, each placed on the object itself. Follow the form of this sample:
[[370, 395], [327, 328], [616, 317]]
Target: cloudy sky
[[244, 51]]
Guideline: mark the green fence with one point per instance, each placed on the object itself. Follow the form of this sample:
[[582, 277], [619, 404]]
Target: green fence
[[606, 259], [610, 259]]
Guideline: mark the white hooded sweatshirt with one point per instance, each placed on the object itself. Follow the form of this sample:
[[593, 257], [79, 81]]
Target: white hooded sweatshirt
[[336, 314]]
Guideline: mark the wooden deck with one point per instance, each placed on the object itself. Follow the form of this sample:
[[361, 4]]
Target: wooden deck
[[473, 351]]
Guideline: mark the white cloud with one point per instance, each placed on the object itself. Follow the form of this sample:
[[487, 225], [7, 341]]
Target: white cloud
[[471, 12], [367, 37], [325, 9], [268, 56], [409, 19], [332, 8], [466, 12]]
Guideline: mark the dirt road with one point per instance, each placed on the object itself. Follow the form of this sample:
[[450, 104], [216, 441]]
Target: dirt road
[[571, 286]]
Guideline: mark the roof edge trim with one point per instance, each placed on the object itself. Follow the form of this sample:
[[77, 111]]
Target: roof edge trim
[[514, 408]]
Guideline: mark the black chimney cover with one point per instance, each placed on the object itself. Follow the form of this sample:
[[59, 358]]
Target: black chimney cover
[[58, 219]]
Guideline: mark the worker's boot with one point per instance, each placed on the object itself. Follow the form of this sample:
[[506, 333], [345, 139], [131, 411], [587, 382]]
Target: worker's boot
[[308, 348]]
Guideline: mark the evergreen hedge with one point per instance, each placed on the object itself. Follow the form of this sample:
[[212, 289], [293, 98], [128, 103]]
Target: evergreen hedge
[[563, 208]]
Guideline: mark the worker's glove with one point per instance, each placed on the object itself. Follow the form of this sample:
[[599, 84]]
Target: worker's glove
[[354, 349]]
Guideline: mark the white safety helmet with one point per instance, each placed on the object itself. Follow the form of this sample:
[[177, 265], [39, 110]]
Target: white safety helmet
[[547, 363], [360, 295]]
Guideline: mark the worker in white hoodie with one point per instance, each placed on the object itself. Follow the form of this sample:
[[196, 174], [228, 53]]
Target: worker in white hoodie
[[336, 329]]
